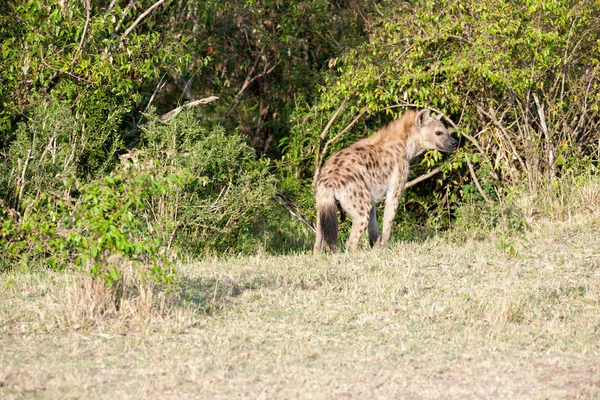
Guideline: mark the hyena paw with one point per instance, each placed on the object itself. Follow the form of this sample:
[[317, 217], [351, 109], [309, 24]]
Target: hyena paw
[[380, 244]]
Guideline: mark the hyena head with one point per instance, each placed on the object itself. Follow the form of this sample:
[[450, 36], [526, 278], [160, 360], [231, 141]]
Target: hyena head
[[432, 134]]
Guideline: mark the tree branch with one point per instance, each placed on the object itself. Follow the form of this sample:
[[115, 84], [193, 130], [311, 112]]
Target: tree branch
[[168, 116], [498, 125], [320, 156], [140, 18], [476, 181], [109, 9], [157, 89], [284, 202], [87, 23], [332, 119], [22, 183], [422, 178], [248, 81]]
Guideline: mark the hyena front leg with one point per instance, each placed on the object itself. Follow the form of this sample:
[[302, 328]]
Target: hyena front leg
[[389, 213], [373, 228]]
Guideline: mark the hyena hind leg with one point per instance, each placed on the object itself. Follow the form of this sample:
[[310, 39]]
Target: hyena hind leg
[[357, 208], [373, 227], [359, 225]]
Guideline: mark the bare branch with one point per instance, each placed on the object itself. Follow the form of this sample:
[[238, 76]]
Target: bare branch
[[320, 156], [123, 15], [540, 111], [423, 178], [542, 117], [476, 181], [332, 119], [498, 125], [109, 9], [141, 17], [23, 173], [168, 116], [87, 23], [248, 81], [346, 129], [157, 89], [284, 202]]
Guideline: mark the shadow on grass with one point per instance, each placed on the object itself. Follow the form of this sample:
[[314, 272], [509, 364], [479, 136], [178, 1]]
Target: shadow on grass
[[279, 234], [211, 295], [207, 295]]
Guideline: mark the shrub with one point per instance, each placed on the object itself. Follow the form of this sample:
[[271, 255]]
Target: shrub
[[227, 189], [104, 220], [188, 190], [519, 80]]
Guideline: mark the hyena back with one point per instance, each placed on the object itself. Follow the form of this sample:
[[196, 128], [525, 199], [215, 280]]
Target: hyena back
[[372, 170]]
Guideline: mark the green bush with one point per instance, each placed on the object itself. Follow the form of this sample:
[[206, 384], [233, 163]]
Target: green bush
[[52, 148], [189, 191], [105, 218], [521, 81], [226, 191]]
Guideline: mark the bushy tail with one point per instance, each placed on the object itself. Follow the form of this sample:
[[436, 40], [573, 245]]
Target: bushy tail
[[328, 219]]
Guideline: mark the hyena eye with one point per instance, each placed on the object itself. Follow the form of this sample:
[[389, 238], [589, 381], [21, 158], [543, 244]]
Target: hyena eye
[[439, 133]]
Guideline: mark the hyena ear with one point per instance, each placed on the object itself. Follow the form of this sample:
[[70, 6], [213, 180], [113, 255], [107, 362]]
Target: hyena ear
[[439, 117], [423, 118]]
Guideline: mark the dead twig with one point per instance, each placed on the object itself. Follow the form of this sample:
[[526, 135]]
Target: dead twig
[[248, 81], [346, 129], [292, 208], [157, 89], [502, 129], [321, 156], [171, 114], [85, 28], [172, 236], [332, 119], [23, 173], [542, 116], [109, 9], [118, 27], [476, 181], [422, 178], [140, 18]]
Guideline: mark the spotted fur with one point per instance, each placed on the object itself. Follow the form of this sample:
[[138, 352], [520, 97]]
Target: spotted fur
[[372, 170]]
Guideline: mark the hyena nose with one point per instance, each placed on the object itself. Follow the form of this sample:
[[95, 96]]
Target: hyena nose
[[454, 144]]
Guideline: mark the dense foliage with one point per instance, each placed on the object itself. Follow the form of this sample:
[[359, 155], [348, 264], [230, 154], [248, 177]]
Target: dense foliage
[[519, 80], [88, 173], [90, 169]]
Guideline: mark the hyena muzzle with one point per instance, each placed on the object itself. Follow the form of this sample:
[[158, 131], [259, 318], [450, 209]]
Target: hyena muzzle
[[371, 170]]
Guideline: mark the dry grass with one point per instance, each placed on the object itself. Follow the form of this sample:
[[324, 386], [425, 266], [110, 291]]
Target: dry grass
[[478, 319]]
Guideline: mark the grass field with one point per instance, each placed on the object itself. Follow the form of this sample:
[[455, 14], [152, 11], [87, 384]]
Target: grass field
[[513, 316]]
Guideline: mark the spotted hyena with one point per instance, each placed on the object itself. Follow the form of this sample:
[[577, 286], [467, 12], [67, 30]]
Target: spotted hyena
[[373, 169]]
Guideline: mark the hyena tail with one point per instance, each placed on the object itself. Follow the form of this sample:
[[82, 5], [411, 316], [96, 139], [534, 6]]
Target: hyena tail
[[328, 221]]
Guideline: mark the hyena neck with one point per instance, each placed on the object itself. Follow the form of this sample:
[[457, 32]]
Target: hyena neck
[[413, 146]]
